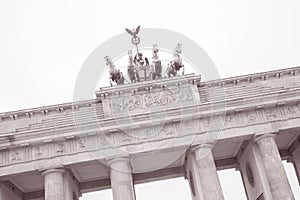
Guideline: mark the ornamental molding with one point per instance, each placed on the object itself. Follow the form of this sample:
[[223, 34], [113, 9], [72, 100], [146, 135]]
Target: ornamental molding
[[61, 108], [252, 78], [163, 99], [144, 97], [119, 138], [273, 111]]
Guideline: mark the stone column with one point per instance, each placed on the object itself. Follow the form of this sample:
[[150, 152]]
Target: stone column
[[296, 161], [253, 172], [192, 174], [54, 184], [275, 172], [71, 187], [121, 179], [207, 172], [7, 193]]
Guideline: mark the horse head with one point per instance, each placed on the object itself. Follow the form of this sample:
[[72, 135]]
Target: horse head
[[155, 49], [110, 64], [130, 59], [178, 49]]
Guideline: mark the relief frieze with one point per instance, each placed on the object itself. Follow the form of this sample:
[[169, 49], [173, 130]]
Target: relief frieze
[[101, 140], [230, 120], [291, 111], [60, 148], [152, 99], [15, 156], [37, 151], [252, 117], [272, 114]]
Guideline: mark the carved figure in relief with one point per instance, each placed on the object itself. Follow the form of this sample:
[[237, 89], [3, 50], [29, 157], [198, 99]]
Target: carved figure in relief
[[60, 148], [168, 130], [291, 111], [251, 116], [142, 101], [229, 120], [272, 114], [38, 151], [82, 144], [15, 156], [148, 100], [186, 95], [167, 98], [133, 103]]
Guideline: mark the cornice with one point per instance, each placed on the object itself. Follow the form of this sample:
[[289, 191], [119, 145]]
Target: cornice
[[251, 78], [232, 117], [148, 85], [108, 126], [46, 110], [101, 141], [73, 106]]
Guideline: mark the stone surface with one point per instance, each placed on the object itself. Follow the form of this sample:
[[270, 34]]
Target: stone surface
[[7, 194], [275, 173], [296, 159], [54, 184], [253, 172], [154, 121], [207, 171], [121, 179], [192, 174]]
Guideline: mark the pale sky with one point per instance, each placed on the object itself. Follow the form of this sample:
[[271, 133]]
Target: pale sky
[[43, 45]]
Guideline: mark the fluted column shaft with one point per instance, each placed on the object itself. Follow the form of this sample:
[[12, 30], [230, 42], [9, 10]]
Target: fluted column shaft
[[121, 179], [210, 183], [54, 184], [277, 179]]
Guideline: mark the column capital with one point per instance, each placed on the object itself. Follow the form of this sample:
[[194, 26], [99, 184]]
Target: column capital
[[275, 173], [121, 178], [121, 159], [259, 137], [202, 146], [54, 184], [55, 170], [204, 174]]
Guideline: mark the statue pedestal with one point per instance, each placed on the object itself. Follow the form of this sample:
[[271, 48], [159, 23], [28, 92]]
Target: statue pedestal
[[150, 96]]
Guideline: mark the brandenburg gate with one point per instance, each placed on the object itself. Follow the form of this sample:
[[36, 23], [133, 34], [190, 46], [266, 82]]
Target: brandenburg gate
[[158, 129]]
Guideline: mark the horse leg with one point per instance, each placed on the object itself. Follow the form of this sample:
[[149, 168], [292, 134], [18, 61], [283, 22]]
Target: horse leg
[[121, 81], [174, 73], [130, 76], [169, 71], [137, 76], [158, 74]]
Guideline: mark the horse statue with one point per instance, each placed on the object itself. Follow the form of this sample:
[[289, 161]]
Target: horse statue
[[115, 74], [176, 64], [156, 64], [131, 68]]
